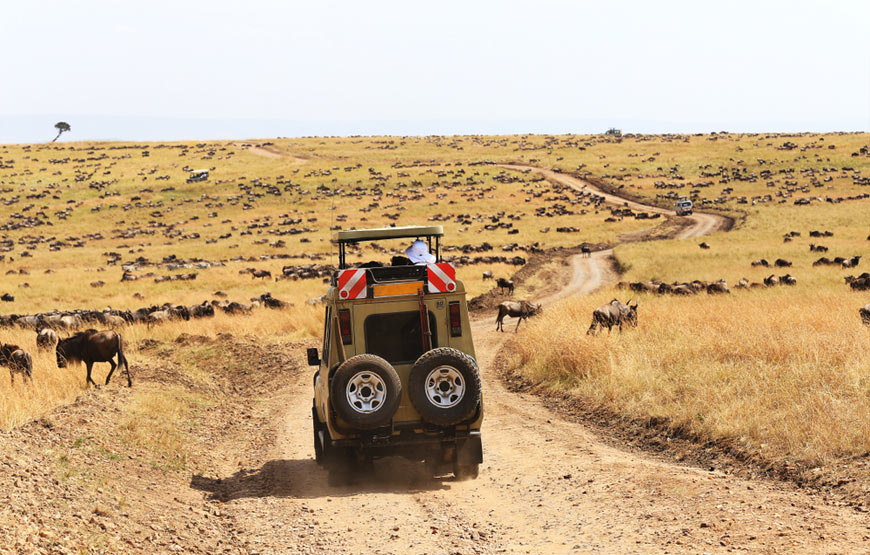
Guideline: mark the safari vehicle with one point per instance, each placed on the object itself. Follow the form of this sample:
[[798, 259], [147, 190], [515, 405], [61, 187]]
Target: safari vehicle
[[197, 175], [684, 207], [397, 374]]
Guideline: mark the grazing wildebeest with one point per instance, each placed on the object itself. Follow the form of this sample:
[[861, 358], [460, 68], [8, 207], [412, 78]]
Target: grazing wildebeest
[[487, 275], [760, 262], [586, 251], [865, 314], [788, 279], [515, 309], [823, 261], [204, 310], [503, 283], [613, 314], [261, 274], [818, 248], [782, 263], [718, 287], [92, 346], [742, 284], [851, 262], [46, 339], [771, 280], [17, 360], [704, 245]]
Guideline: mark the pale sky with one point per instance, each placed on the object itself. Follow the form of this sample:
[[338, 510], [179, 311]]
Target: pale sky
[[214, 69]]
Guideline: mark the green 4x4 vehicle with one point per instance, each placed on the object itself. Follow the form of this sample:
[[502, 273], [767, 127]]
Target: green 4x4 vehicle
[[397, 375]]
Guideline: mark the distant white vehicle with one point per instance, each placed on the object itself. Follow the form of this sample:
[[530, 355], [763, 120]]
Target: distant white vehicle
[[684, 207], [197, 175]]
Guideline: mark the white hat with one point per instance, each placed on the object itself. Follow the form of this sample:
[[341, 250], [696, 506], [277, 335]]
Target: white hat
[[419, 253]]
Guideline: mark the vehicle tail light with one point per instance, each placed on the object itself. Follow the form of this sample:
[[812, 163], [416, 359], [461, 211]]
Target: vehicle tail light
[[455, 319], [344, 326]]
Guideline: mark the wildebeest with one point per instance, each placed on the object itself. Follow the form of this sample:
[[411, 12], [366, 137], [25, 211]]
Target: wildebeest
[[704, 245], [92, 346], [818, 248], [261, 274], [782, 263], [516, 309], [865, 314], [823, 261], [613, 314], [761, 262], [46, 339], [503, 283], [788, 279], [718, 287], [204, 310], [487, 275], [17, 360], [7, 298], [586, 251], [771, 280], [851, 262]]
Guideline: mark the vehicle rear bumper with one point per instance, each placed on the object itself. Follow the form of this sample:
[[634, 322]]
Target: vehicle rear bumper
[[468, 445]]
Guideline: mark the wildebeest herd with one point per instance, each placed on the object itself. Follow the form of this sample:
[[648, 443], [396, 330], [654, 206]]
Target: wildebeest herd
[[88, 346]]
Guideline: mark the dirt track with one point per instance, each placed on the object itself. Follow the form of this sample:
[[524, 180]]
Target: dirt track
[[546, 485]]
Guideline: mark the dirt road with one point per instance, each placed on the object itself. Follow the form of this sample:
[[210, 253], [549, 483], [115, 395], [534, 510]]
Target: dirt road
[[546, 485]]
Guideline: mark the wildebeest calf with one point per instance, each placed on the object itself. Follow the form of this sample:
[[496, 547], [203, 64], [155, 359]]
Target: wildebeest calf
[[17, 360], [516, 309], [613, 314], [503, 283], [92, 346]]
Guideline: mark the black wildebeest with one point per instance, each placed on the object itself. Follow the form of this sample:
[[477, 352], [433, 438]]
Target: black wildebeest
[[46, 339], [613, 314], [503, 283], [865, 314], [516, 309], [92, 346], [17, 360]]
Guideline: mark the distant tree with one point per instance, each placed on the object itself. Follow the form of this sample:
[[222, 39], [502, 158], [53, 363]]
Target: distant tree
[[62, 127]]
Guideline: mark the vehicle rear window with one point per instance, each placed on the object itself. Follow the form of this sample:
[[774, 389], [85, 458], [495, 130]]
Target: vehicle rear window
[[397, 336]]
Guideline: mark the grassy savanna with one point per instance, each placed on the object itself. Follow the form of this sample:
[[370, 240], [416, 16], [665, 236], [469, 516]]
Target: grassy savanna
[[748, 366]]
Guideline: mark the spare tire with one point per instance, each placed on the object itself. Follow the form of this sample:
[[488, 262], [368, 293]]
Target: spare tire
[[444, 386], [366, 392]]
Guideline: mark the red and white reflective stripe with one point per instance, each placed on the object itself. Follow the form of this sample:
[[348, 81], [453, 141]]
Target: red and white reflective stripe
[[442, 277], [352, 284]]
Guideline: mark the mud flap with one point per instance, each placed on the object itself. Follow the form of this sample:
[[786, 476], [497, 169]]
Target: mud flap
[[469, 450]]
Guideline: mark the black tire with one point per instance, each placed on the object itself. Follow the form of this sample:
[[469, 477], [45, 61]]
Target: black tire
[[318, 446], [383, 383], [457, 369]]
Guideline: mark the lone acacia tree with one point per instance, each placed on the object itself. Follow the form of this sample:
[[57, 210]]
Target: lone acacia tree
[[61, 127]]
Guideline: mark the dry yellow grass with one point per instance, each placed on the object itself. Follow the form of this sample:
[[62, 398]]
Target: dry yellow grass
[[785, 373]]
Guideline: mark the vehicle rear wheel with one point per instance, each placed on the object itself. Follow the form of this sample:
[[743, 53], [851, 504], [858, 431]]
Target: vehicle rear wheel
[[444, 386], [366, 392], [318, 445]]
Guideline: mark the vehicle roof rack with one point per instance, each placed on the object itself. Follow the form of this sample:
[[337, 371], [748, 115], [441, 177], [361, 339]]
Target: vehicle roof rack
[[356, 235]]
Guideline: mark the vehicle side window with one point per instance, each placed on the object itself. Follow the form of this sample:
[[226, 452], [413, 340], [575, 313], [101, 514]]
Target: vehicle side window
[[327, 335]]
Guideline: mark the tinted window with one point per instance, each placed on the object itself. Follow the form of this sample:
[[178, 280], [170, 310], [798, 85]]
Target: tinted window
[[397, 337]]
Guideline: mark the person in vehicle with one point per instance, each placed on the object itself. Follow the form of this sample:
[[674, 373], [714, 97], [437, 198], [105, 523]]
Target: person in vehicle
[[418, 253]]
